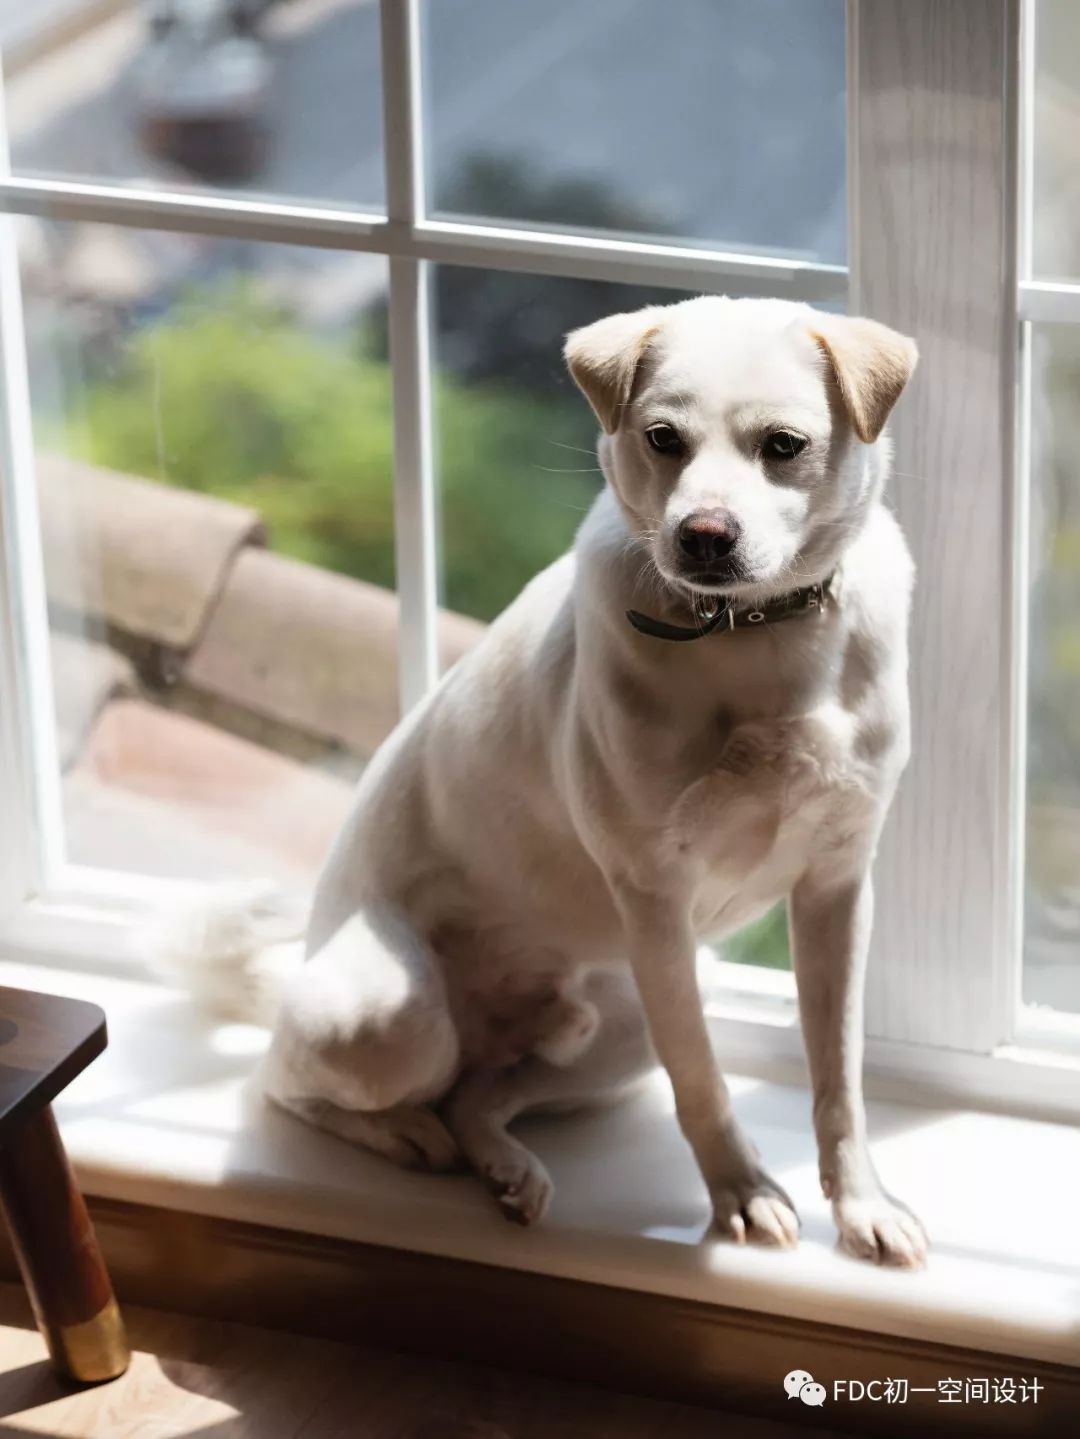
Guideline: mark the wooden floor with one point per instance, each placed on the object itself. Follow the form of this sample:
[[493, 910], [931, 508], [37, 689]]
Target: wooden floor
[[226, 1381]]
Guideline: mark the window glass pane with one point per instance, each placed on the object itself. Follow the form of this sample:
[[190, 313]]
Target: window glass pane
[[213, 433], [717, 121], [243, 96], [1056, 141], [516, 441], [516, 447], [1052, 898]]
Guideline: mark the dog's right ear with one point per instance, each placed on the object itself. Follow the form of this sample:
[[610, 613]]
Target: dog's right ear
[[604, 358]]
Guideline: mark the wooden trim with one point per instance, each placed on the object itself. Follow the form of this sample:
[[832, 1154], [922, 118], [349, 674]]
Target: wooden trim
[[641, 1343]]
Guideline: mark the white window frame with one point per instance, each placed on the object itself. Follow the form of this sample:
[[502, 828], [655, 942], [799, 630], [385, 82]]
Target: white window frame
[[943, 1002]]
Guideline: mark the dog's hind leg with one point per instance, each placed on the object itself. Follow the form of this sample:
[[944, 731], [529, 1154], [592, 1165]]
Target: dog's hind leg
[[365, 1042], [485, 1103], [411, 1135]]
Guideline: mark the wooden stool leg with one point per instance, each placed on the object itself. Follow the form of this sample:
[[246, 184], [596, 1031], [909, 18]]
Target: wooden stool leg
[[58, 1253]]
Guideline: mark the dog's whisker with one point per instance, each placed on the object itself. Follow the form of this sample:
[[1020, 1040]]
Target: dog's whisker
[[578, 449], [553, 470]]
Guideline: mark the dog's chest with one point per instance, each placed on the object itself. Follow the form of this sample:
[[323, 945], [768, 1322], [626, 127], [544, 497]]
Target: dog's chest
[[778, 792]]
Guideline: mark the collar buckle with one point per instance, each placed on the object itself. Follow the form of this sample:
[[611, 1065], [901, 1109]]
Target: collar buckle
[[712, 613]]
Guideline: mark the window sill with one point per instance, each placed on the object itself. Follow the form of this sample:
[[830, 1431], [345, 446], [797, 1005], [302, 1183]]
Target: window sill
[[167, 1117]]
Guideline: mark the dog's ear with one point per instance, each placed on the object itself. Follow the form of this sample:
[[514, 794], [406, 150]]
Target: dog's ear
[[604, 358], [871, 364]]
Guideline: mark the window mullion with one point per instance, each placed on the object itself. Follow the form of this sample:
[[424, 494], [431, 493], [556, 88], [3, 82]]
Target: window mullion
[[410, 357], [31, 834], [1010, 976], [934, 187]]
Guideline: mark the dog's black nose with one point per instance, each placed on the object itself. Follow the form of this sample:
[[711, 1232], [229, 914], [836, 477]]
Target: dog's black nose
[[708, 535]]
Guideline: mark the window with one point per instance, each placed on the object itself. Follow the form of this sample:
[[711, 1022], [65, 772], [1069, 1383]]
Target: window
[[407, 205], [214, 485], [189, 97], [584, 131]]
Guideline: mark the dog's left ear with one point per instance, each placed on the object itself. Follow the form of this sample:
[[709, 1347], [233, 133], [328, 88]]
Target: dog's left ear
[[871, 363], [604, 358]]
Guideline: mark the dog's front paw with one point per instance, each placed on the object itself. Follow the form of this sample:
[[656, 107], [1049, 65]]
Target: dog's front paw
[[521, 1185], [753, 1208], [882, 1230]]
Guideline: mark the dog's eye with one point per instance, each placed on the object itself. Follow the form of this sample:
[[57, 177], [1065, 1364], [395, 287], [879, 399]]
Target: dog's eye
[[664, 439], [783, 445]]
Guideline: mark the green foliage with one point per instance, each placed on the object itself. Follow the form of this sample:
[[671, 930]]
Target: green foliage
[[764, 942], [229, 397]]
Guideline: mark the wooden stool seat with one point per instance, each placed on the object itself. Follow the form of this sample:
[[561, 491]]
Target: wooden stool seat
[[45, 1041]]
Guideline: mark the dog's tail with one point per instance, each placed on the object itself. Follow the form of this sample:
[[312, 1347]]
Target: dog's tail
[[232, 950]]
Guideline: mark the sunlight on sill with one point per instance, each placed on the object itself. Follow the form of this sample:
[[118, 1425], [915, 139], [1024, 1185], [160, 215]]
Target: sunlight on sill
[[170, 1116]]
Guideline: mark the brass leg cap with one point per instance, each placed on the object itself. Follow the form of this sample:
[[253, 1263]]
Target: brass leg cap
[[93, 1351]]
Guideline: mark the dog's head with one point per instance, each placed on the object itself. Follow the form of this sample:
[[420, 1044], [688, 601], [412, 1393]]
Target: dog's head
[[742, 438]]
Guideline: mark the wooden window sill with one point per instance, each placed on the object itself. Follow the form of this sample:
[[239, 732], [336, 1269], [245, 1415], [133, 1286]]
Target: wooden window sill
[[208, 1199]]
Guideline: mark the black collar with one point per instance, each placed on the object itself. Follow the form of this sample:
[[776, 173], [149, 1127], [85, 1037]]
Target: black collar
[[713, 611]]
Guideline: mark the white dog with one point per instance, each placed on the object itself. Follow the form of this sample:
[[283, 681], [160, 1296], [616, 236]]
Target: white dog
[[701, 710]]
